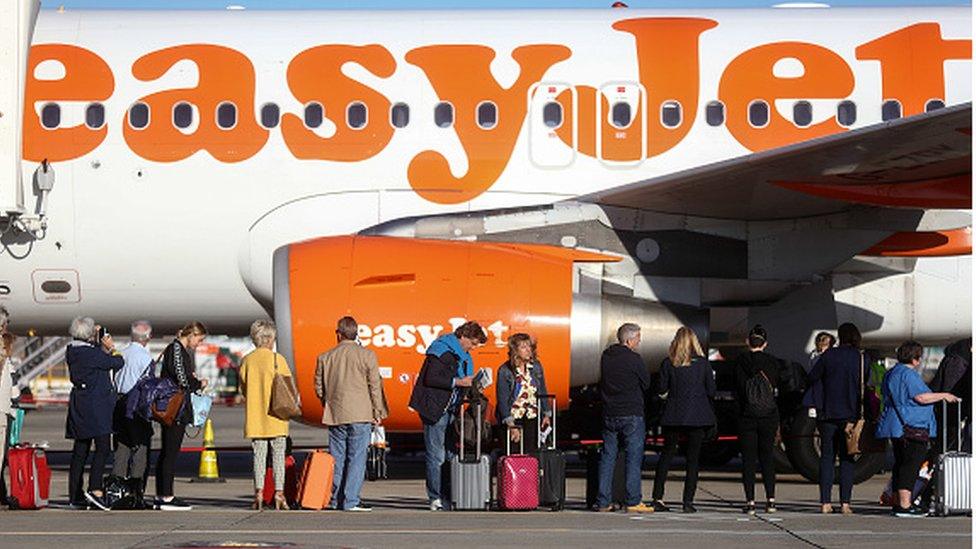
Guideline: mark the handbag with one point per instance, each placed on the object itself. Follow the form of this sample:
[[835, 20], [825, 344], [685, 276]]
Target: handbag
[[168, 415], [284, 396], [201, 405], [918, 434], [860, 433]]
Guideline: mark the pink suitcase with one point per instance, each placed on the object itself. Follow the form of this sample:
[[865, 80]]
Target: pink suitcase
[[30, 478], [518, 481]]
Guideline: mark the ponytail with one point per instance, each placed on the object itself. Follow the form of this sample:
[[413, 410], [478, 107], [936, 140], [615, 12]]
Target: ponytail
[[191, 329]]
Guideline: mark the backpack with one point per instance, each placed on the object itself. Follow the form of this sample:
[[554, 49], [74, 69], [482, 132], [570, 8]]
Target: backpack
[[760, 401]]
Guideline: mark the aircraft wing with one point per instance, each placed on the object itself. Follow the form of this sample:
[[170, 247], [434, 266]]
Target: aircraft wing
[[923, 161]]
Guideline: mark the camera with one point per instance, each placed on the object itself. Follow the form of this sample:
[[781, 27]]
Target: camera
[[102, 334]]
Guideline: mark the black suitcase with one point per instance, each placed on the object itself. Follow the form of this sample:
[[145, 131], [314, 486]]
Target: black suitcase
[[618, 493], [552, 466]]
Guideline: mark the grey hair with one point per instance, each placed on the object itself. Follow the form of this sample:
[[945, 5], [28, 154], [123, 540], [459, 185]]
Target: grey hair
[[141, 331], [263, 332], [347, 328], [4, 318], [627, 331], [82, 327]]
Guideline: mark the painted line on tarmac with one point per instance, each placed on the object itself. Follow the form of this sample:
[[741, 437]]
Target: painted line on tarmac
[[618, 531]]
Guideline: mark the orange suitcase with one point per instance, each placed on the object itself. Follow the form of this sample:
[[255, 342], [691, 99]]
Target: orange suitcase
[[315, 489]]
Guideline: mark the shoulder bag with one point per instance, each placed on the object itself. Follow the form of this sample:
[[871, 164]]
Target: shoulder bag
[[918, 434], [284, 396], [860, 432]]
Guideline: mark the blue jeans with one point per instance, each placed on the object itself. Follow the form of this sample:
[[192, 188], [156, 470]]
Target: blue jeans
[[833, 443], [631, 429], [348, 445], [439, 445]]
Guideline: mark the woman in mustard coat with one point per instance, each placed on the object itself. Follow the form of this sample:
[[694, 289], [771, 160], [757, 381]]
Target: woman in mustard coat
[[257, 375]]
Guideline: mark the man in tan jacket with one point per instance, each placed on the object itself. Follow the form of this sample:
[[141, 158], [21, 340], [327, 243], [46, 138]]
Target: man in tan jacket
[[347, 381]]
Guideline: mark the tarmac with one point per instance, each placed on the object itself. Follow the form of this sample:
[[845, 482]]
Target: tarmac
[[221, 515]]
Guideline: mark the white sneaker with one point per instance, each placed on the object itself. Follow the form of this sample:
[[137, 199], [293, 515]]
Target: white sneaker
[[436, 505], [360, 509]]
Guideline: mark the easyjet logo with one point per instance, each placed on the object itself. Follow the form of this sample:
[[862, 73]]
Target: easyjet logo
[[419, 336], [667, 50]]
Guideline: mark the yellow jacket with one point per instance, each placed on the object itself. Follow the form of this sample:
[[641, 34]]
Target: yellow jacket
[[257, 376]]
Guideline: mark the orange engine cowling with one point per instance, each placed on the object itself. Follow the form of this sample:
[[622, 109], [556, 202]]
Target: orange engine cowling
[[406, 292]]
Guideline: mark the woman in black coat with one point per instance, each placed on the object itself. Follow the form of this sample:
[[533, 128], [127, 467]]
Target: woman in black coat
[[687, 384], [91, 361], [178, 365]]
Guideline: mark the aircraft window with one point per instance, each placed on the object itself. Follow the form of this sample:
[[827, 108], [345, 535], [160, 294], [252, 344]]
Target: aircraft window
[[671, 114], [226, 116], [759, 113], [313, 115], [715, 113], [139, 116], [846, 113], [552, 115], [95, 116], [51, 116], [620, 114], [444, 115], [356, 116], [270, 115], [802, 113], [487, 115], [182, 115], [400, 115], [934, 105], [890, 110]]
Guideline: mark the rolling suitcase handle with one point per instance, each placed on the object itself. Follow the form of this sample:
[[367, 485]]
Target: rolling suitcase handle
[[552, 445], [477, 442], [508, 441], [945, 419]]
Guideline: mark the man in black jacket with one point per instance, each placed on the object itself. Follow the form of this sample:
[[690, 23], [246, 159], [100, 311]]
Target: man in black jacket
[[623, 382], [447, 365]]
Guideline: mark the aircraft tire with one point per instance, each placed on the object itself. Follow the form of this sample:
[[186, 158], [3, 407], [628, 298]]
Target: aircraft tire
[[803, 450]]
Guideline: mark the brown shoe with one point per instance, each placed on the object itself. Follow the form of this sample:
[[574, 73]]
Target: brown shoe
[[607, 509], [826, 509], [845, 509]]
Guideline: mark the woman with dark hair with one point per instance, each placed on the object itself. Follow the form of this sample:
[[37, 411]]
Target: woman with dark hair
[[687, 384], [756, 375], [835, 392], [908, 420], [179, 365], [821, 343], [520, 381]]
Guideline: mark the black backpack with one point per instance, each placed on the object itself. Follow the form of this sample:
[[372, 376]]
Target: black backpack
[[760, 401]]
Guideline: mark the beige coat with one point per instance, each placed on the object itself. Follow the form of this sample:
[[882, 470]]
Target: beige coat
[[347, 381], [257, 376]]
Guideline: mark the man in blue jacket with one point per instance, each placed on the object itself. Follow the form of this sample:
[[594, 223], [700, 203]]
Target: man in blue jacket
[[447, 365]]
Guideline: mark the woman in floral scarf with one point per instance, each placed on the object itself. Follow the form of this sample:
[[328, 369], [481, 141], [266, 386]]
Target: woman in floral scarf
[[520, 385]]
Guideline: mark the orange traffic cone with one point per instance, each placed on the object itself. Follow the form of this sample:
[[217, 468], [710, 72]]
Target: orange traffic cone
[[208, 457]]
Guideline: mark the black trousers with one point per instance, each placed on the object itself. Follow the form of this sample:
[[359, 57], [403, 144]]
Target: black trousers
[[757, 437], [909, 455], [172, 440], [695, 435], [79, 455]]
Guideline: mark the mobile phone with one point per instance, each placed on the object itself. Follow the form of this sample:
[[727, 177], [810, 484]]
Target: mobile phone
[[102, 333]]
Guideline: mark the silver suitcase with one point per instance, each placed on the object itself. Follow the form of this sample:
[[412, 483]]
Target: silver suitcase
[[952, 470], [471, 479]]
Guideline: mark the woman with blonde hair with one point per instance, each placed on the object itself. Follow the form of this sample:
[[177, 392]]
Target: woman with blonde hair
[[520, 381], [179, 365], [687, 384], [257, 376]]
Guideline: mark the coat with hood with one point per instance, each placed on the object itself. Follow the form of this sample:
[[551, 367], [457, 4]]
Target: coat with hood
[[91, 404]]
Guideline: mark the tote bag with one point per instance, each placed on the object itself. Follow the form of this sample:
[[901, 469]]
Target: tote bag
[[284, 396]]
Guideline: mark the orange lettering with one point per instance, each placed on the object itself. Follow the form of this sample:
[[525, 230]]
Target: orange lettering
[[315, 75], [912, 61], [749, 77], [461, 75], [86, 78], [225, 75]]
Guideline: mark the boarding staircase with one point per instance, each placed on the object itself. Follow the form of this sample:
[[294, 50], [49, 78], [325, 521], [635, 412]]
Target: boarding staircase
[[38, 356]]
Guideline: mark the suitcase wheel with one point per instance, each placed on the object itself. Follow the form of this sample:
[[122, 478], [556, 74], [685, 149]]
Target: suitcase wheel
[[13, 503]]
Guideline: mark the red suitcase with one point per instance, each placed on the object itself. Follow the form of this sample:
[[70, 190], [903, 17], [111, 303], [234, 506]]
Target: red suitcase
[[30, 478], [291, 483], [518, 480]]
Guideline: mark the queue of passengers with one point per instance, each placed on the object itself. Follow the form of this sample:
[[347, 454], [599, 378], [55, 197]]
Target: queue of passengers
[[348, 383]]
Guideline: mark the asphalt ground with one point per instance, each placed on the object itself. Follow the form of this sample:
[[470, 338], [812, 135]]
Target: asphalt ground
[[221, 514]]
